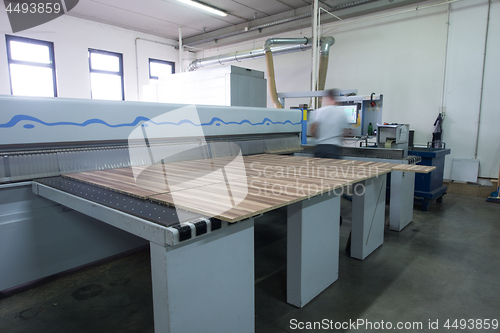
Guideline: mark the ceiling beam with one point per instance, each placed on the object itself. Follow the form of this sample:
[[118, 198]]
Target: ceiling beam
[[325, 3], [291, 20]]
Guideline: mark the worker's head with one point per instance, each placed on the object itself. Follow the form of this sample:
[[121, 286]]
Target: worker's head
[[331, 96]]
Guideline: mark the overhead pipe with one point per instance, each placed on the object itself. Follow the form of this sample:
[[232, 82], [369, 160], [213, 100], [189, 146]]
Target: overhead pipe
[[306, 15], [268, 51], [282, 21], [181, 50], [272, 81], [270, 65], [238, 56], [324, 56], [326, 43]]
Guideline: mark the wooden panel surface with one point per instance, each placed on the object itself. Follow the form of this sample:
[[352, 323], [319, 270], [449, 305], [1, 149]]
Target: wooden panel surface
[[235, 188], [122, 181], [414, 168], [260, 195]]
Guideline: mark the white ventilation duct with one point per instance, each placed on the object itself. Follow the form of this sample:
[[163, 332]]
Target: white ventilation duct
[[324, 52], [240, 56], [326, 43], [270, 65]]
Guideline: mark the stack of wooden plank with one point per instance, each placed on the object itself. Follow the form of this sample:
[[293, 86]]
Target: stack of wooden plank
[[234, 188]]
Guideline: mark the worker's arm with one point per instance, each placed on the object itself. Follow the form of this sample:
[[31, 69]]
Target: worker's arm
[[314, 129]]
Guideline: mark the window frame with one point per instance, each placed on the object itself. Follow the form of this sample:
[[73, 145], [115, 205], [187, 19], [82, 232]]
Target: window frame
[[165, 62], [52, 65], [119, 73]]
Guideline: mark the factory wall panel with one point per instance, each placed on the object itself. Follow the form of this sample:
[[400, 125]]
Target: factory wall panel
[[464, 75], [489, 126], [72, 37]]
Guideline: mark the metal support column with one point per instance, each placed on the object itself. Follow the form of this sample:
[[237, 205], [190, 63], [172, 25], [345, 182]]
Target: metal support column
[[368, 216], [312, 247], [206, 285], [401, 207]]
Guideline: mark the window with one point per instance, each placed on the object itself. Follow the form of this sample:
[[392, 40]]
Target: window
[[159, 68], [31, 67], [106, 75]]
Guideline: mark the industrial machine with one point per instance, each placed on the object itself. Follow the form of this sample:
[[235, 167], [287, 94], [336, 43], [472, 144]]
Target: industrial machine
[[224, 85], [50, 223], [429, 187], [362, 111], [45, 137], [394, 136]]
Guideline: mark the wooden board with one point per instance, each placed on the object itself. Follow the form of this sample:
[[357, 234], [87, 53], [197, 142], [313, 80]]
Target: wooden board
[[260, 195], [414, 168], [120, 180], [286, 151], [159, 178], [232, 191]]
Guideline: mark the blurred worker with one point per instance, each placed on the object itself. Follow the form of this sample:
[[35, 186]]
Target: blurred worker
[[329, 127]]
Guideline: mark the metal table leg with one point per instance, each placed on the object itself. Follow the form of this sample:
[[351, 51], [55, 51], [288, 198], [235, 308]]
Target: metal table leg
[[368, 217], [312, 247], [206, 285], [425, 204], [401, 208]]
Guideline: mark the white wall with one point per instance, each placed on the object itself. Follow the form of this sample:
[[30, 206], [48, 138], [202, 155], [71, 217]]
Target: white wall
[[464, 75], [72, 37], [489, 130], [404, 58]]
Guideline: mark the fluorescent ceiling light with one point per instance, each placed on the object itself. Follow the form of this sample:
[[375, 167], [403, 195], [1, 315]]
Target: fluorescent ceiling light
[[201, 5]]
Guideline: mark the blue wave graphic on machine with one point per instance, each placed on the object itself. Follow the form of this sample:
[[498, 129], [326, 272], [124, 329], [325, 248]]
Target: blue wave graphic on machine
[[215, 120]]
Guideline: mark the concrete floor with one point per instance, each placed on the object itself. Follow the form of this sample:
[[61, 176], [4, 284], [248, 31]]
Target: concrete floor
[[444, 265]]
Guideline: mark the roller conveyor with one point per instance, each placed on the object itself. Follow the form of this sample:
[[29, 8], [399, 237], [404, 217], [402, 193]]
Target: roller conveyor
[[194, 225]]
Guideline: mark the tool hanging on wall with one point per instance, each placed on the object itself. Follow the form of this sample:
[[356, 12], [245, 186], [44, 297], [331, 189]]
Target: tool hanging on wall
[[372, 102], [436, 135]]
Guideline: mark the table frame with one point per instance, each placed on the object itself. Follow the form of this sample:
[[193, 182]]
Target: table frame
[[220, 301], [312, 247], [181, 284]]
